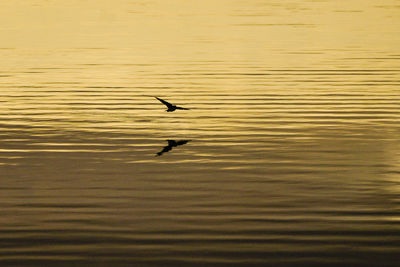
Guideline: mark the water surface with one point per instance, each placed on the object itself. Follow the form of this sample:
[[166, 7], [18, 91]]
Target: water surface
[[292, 155]]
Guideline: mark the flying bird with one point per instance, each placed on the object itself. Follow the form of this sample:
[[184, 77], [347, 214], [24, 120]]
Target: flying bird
[[172, 144], [170, 106]]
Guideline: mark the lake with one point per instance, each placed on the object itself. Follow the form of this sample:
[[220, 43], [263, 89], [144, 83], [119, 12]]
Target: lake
[[289, 154]]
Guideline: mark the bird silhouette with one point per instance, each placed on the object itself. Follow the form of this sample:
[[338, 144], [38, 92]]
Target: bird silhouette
[[170, 106], [172, 144]]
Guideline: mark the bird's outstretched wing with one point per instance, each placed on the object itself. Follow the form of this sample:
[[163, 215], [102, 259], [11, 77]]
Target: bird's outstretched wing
[[182, 142], [169, 105], [182, 108], [165, 149]]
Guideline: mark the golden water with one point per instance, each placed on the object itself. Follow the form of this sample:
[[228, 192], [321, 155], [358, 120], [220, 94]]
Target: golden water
[[294, 132]]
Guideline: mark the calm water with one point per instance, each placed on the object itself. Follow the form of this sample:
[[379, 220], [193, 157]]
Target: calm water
[[293, 152]]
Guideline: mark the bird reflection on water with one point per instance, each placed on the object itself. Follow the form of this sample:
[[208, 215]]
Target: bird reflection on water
[[172, 144]]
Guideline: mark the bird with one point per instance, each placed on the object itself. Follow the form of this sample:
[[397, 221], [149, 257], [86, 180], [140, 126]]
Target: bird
[[170, 106], [172, 144]]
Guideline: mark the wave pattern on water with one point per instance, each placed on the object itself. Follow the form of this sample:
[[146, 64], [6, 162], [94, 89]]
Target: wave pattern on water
[[288, 156]]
